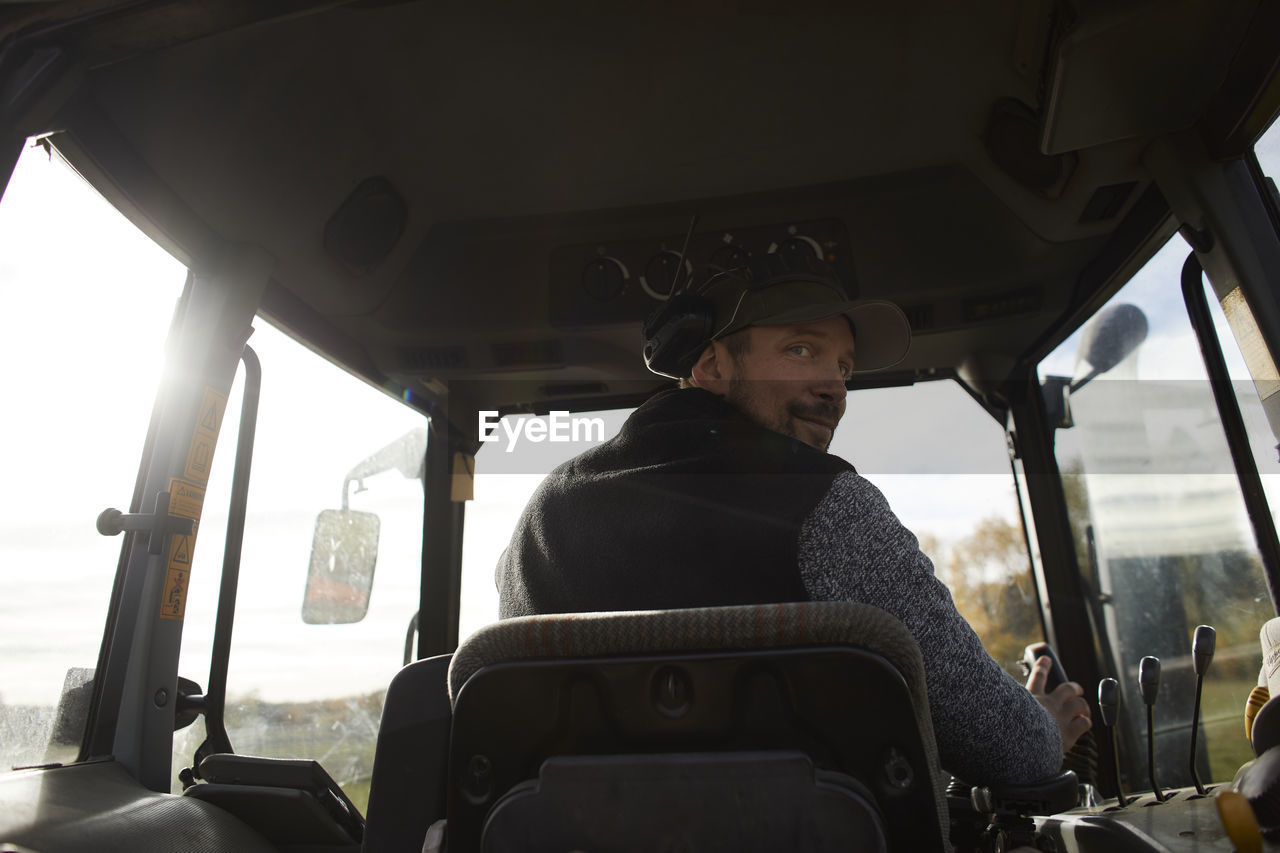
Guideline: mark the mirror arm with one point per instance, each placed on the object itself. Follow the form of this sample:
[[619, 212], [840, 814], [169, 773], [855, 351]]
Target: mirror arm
[[406, 455], [215, 697], [1083, 381]]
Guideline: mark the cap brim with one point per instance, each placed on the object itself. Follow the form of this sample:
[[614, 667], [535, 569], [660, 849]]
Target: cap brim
[[882, 333]]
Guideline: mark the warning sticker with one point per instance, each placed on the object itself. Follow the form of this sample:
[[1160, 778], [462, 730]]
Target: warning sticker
[[173, 601], [180, 552], [212, 408], [185, 499], [173, 604], [199, 458]]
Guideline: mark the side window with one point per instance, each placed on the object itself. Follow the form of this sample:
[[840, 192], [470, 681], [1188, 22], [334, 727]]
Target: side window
[[299, 690], [1268, 151], [1162, 535], [508, 470], [87, 300], [957, 495]]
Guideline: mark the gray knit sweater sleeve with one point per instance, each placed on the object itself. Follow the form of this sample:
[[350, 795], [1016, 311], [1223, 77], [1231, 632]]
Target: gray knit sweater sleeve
[[989, 729]]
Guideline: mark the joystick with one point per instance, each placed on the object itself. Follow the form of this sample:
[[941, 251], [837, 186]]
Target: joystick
[[1109, 706], [1202, 648], [1149, 686]]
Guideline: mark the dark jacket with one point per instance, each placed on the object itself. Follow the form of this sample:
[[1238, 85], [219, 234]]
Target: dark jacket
[[691, 505]]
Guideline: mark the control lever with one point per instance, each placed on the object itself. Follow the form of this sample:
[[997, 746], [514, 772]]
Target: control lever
[[1202, 648], [1035, 651], [1149, 685], [1082, 758], [1109, 706]]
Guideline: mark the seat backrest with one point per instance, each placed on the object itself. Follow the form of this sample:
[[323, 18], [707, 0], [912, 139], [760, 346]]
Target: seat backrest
[[407, 789], [685, 728]]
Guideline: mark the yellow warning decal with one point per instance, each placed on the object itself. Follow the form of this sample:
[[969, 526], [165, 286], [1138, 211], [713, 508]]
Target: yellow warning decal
[[212, 408], [180, 551], [213, 405], [173, 601], [199, 459], [185, 499]]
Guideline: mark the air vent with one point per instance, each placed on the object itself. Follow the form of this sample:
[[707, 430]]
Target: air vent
[[920, 317], [527, 353], [1107, 201], [435, 358], [996, 306]]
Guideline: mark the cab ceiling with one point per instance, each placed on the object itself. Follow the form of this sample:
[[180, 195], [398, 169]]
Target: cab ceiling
[[512, 130]]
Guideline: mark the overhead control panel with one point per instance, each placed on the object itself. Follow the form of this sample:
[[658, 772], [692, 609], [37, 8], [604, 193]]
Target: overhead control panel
[[603, 283]]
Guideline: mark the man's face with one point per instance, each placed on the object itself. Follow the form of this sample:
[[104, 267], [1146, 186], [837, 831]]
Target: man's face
[[790, 379]]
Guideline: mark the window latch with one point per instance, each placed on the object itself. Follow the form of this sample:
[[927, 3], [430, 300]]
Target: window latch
[[158, 524]]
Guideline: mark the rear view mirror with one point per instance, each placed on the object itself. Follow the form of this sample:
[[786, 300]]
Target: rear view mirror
[[1109, 338], [344, 553]]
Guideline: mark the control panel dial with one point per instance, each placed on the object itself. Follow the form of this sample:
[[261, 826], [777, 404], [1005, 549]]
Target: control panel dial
[[605, 278], [730, 256], [665, 272]]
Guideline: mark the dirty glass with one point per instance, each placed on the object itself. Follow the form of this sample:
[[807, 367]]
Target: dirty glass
[[86, 302], [304, 680], [1161, 533]]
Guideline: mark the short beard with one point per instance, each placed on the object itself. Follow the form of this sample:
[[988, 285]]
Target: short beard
[[741, 394]]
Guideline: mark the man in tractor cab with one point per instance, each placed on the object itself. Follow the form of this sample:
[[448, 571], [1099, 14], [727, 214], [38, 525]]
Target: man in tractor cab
[[721, 492]]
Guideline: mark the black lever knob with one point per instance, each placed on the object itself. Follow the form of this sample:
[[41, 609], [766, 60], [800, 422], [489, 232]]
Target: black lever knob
[[1202, 648], [1109, 700], [1149, 685], [1149, 679], [1109, 705]]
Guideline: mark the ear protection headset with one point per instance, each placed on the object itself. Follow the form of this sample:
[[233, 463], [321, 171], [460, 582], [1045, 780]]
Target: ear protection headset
[[679, 329], [677, 332]]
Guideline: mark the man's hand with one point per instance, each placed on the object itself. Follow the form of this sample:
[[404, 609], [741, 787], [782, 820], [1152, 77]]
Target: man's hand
[[1065, 704]]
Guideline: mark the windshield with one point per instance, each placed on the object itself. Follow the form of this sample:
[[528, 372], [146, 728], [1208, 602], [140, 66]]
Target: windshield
[[1161, 533]]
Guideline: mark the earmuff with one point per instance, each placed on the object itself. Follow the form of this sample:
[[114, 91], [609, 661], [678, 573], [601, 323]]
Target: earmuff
[[677, 332]]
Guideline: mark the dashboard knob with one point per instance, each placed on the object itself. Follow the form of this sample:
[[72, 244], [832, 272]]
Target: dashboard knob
[[799, 248], [665, 273], [730, 256], [605, 279]]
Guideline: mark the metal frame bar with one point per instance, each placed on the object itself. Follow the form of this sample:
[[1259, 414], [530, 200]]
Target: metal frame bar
[[1255, 499], [215, 695], [442, 525]]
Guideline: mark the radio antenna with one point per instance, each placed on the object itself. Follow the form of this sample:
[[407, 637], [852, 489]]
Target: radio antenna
[[693, 224]]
